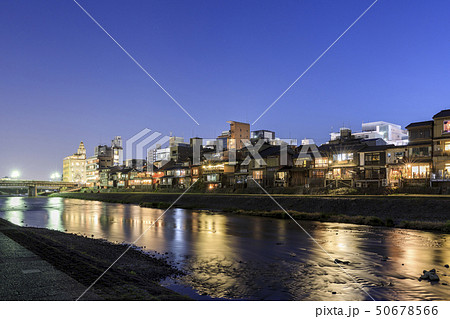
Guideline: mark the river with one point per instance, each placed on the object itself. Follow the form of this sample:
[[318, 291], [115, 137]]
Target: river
[[226, 256]]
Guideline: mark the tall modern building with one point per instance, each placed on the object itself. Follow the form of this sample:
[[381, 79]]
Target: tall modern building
[[103, 158], [177, 150], [117, 149], [232, 139], [74, 166]]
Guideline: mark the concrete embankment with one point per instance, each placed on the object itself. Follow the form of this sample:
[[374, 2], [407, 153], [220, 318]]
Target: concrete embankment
[[78, 261], [420, 212]]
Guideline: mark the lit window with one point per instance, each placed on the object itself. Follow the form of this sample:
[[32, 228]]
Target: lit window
[[321, 162], [257, 175], [446, 127], [282, 175], [343, 157], [447, 146], [372, 158]]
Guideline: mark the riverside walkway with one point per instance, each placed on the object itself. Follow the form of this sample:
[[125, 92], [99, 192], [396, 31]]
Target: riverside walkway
[[25, 276]]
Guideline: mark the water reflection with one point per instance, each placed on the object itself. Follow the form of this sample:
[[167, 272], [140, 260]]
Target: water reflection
[[15, 208], [55, 210], [245, 257]]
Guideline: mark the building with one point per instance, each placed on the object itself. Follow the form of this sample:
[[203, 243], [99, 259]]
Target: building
[[375, 157], [343, 158], [117, 149], [441, 146], [390, 133], [175, 175], [263, 135], [419, 156], [137, 164], [396, 164], [373, 166], [103, 158], [308, 141], [74, 166], [177, 150], [232, 139]]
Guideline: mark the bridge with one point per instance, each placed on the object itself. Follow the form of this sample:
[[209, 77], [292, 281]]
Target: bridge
[[33, 186]]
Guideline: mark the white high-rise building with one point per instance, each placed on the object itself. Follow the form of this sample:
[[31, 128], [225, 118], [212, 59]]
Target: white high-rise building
[[389, 132], [117, 148]]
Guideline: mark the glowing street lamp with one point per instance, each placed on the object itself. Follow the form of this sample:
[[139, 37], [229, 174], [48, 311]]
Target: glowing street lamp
[[15, 174], [55, 176]]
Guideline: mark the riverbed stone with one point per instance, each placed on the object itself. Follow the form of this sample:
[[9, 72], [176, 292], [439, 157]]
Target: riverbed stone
[[429, 275]]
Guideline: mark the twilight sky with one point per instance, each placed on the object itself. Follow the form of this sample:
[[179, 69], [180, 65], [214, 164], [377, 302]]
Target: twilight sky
[[62, 80]]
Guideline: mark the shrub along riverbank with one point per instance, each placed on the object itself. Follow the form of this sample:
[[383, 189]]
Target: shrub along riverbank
[[426, 212]]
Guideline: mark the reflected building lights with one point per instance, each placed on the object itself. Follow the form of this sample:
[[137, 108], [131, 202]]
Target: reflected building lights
[[210, 246]]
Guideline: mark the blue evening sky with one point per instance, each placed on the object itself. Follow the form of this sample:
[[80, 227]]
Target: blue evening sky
[[62, 80]]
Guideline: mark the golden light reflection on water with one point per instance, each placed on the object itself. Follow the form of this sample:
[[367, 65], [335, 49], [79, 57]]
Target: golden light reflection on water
[[257, 258]]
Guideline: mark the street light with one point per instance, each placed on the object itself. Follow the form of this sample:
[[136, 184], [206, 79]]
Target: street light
[[55, 176], [15, 174]]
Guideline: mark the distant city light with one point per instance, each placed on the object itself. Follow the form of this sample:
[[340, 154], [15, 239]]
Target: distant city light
[[15, 174], [55, 176]]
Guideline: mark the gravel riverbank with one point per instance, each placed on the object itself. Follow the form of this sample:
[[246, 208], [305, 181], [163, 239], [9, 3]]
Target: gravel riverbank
[[134, 277]]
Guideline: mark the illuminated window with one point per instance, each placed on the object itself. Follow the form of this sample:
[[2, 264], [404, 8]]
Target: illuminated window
[[300, 163], [447, 146], [212, 177], [257, 174], [336, 172], [372, 158], [399, 155], [446, 128], [343, 157], [321, 162], [419, 171], [447, 168], [282, 175]]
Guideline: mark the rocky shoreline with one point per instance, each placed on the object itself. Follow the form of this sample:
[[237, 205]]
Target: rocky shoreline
[[415, 212], [135, 276]]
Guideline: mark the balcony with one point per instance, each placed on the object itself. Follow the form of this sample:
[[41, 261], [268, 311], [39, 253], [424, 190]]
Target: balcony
[[442, 153]]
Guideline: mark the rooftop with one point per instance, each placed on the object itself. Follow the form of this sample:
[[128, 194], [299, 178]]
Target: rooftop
[[443, 113], [418, 124], [376, 148]]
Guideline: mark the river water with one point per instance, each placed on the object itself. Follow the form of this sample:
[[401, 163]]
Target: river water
[[256, 258]]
